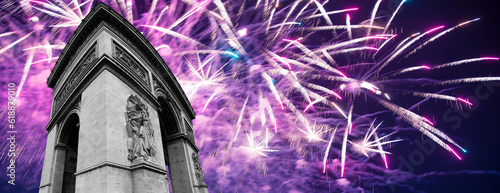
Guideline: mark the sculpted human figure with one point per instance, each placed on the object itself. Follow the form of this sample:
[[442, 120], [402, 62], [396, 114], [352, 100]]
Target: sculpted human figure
[[149, 138], [198, 171], [140, 143]]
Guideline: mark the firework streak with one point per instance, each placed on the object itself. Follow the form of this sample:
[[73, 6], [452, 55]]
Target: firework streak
[[271, 103]]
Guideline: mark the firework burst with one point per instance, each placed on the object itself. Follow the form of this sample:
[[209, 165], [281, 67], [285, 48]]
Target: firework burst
[[260, 82]]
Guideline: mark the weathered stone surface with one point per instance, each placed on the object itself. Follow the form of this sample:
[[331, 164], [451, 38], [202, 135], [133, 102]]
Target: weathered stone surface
[[105, 179], [59, 155], [92, 83], [45, 183], [147, 179]]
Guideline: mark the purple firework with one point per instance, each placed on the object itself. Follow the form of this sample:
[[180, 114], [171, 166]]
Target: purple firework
[[286, 94]]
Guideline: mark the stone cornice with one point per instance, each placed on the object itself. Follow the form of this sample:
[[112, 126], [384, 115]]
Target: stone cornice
[[103, 13], [148, 166], [45, 185], [181, 137]]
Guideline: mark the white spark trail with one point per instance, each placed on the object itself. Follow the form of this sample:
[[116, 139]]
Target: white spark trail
[[417, 122], [344, 142], [350, 42], [392, 17], [469, 80], [335, 27], [403, 48], [26, 70], [438, 36], [325, 158], [348, 24], [463, 62], [374, 12], [172, 33], [331, 12], [323, 12], [14, 43], [240, 118]]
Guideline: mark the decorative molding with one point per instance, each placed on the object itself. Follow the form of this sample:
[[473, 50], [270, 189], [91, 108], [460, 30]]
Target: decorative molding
[[156, 84], [60, 146], [74, 78], [200, 176], [149, 166], [102, 14], [78, 105], [120, 166], [102, 164], [45, 185], [65, 61], [131, 64]]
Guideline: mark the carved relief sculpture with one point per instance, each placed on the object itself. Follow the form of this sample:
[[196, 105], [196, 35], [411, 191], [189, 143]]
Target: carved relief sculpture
[[198, 171], [74, 77], [140, 142], [131, 64]]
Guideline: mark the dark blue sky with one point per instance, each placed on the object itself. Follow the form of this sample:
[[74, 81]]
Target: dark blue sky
[[477, 129]]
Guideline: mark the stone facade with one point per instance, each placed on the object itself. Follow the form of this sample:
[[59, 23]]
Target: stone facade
[[119, 117]]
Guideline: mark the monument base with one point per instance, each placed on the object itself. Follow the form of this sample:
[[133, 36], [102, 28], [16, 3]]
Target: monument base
[[142, 177], [147, 177]]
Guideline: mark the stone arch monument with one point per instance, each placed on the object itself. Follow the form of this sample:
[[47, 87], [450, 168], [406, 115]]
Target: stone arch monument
[[118, 116]]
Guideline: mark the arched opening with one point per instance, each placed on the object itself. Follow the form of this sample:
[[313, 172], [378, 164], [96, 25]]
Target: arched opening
[[69, 140], [168, 126], [168, 122]]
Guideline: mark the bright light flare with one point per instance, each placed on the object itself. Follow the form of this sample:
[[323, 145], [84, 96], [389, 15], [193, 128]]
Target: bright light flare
[[242, 32], [256, 149], [313, 134], [33, 19]]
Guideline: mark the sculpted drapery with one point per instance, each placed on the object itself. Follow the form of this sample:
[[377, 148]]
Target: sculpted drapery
[[140, 142]]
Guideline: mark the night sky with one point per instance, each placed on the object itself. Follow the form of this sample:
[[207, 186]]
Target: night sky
[[476, 129]]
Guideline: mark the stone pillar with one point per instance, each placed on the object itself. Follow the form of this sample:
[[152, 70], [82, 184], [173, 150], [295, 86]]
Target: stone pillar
[[147, 178], [59, 159], [181, 168], [186, 174], [48, 164], [103, 164]]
